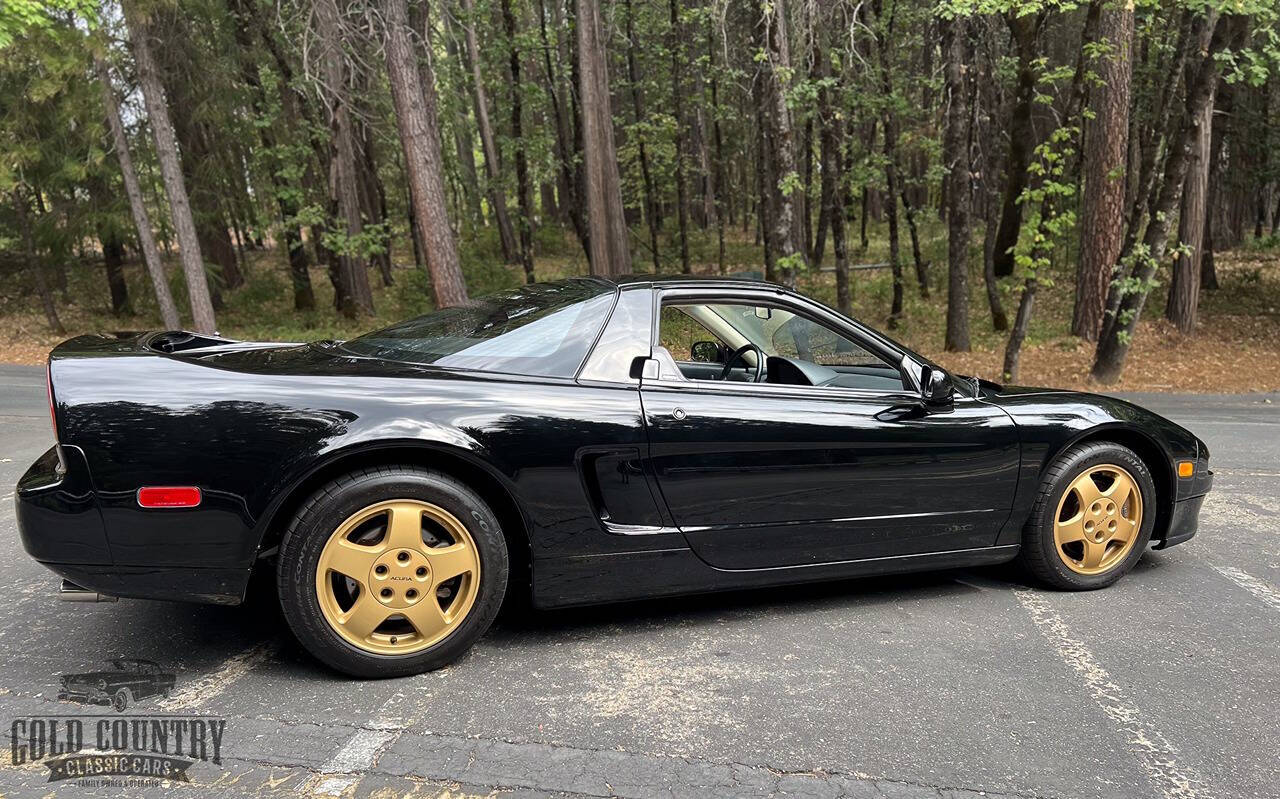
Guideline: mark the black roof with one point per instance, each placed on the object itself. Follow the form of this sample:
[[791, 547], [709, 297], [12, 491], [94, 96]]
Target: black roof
[[744, 281]]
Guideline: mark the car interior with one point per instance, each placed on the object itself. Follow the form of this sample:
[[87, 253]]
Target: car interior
[[752, 343]]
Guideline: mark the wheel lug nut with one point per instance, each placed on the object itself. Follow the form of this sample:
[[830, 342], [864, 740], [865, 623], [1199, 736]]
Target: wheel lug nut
[[411, 594], [386, 593], [381, 569], [402, 557], [422, 571]]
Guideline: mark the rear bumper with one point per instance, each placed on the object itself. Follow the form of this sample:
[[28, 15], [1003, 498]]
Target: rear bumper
[[1185, 519], [61, 527], [57, 510]]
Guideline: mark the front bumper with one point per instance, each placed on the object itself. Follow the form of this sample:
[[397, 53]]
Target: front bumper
[[1185, 519]]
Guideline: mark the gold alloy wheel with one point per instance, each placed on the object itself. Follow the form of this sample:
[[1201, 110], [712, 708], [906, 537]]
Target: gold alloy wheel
[[398, 576], [1098, 519]]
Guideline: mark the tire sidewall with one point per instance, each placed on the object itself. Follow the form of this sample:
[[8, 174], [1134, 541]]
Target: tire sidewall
[[302, 545], [1076, 462]]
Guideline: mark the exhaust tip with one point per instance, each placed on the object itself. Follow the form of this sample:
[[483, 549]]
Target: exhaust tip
[[70, 592]]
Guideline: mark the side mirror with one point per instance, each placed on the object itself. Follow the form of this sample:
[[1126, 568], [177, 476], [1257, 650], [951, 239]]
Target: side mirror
[[705, 352], [937, 387]]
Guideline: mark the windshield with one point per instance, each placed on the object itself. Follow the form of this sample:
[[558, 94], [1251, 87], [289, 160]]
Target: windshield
[[543, 329]]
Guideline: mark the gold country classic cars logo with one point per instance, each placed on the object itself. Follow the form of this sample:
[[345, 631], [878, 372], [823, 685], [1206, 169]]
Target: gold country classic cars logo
[[108, 749]]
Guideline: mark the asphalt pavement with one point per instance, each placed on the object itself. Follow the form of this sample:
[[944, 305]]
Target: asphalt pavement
[[952, 684]]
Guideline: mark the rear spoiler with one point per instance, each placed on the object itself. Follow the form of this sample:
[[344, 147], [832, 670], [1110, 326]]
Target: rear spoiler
[[165, 342]]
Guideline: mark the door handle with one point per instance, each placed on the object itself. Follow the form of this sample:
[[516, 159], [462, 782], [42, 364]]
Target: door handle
[[678, 414]]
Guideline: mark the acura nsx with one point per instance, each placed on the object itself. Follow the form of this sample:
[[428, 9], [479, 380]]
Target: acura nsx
[[567, 443]]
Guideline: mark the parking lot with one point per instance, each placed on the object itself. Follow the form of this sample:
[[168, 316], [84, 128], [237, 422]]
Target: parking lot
[[952, 684]]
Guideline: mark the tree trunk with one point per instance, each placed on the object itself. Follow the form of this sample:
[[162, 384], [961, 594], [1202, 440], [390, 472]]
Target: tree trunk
[[1025, 29], [137, 205], [418, 126], [832, 189], [677, 94], [1106, 145], [113, 265], [1224, 106], [719, 183], [304, 299], [492, 166], [461, 126], [890, 151], [1021, 323], [922, 268], [524, 189], [570, 197], [651, 213], [35, 263], [1184, 288], [955, 155], [373, 200], [780, 140], [609, 246], [1211, 37], [352, 276], [171, 171]]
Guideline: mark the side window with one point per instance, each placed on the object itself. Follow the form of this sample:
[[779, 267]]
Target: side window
[[678, 332], [800, 338], [808, 352]]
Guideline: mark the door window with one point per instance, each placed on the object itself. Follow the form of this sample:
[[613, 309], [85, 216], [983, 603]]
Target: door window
[[797, 349]]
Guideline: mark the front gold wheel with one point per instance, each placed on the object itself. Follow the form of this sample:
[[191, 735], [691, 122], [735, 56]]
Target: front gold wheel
[[397, 577], [1098, 519]]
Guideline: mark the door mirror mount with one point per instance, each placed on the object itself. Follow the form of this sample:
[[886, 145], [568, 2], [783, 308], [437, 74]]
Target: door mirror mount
[[936, 388]]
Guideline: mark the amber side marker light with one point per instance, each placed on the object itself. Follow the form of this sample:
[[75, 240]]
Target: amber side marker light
[[1186, 468], [169, 496]]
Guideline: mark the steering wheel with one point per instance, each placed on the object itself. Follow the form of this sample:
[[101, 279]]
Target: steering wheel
[[737, 356]]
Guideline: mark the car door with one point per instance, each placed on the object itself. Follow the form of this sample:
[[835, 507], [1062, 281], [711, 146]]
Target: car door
[[762, 475]]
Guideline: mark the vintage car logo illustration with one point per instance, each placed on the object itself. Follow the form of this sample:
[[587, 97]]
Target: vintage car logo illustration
[[128, 681]]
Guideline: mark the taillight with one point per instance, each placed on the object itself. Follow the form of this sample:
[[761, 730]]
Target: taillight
[[48, 385], [169, 496]]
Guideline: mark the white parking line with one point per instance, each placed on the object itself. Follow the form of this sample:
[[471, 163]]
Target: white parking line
[[352, 759], [199, 692], [1158, 755], [1265, 593], [360, 752]]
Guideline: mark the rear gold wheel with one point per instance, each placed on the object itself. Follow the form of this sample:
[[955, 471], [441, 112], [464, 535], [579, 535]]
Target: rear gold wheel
[[397, 576], [392, 570], [1098, 519]]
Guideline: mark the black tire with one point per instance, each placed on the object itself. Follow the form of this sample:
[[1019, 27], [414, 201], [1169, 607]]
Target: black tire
[[320, 515], [121, 699], [1039, 553]]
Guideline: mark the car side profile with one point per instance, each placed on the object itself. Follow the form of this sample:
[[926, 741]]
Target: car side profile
[[128, 680], [576, 442]]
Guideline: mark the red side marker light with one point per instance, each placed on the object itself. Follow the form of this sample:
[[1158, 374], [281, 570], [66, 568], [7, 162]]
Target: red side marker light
[[169, 496]]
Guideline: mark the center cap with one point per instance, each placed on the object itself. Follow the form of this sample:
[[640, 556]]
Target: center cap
[[400, 578]]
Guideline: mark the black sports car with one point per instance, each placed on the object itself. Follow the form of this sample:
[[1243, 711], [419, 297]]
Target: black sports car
[[128, 680], [585, 441]]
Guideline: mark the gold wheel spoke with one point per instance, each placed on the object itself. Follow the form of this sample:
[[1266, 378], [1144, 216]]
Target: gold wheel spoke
[[1071, 530], [404, 527], [1093, 553], [364, 616], [1125, 529], [1119, 489], [1086, 489], [352, 560], [426, 617], [451, 561]]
